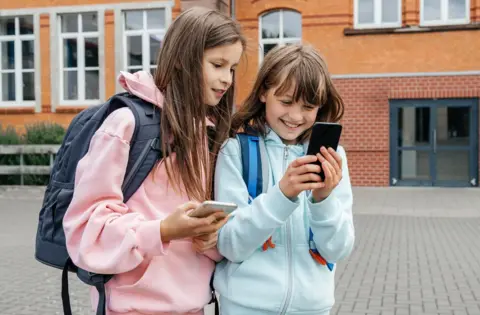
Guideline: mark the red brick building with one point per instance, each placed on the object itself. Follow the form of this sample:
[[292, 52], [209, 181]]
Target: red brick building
[[409, 72]]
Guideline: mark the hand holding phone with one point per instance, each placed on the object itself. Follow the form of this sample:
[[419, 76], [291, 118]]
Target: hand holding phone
[[209, 207], [324, 135]]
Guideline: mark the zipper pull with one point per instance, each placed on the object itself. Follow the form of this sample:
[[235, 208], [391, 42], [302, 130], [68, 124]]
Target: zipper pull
[[285, 155]]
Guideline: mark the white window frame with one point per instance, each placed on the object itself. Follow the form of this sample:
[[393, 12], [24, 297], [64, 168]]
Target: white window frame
[[377, 16], [281, 41], [444, 20], [18, 38], [120, 33], [145, 33], [81, 69]]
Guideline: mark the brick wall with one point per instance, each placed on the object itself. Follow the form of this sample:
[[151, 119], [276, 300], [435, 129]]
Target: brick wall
[[366, 122]]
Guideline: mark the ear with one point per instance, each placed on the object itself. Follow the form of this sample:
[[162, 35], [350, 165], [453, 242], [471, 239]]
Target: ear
[[263, 96]]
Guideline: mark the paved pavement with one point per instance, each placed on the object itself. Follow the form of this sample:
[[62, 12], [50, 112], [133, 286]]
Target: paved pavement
[[417, 253]]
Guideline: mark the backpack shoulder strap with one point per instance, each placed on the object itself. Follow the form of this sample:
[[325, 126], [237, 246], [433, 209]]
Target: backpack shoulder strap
[[251, 164], [145, 148]]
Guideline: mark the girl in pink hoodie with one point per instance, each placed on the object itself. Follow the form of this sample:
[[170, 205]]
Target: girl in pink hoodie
[[162, 259]]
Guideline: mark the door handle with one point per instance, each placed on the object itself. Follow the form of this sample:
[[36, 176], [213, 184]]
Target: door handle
[[434, 140]]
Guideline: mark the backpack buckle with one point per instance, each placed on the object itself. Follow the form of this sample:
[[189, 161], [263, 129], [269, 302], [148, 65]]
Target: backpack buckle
[[155, 145]]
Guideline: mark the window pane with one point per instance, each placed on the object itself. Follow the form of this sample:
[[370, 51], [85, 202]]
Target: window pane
[[70, 85], [156, 19], [8, 86], [26, 24], [70, 53], [8, 55], [267, 48], [152, 71], [134, 69], [292, 24], [271, 25], [28, 86], [28, 49], [7, 26], [134, 20], [70, 23], [389, 11], [92, 90], [89, 22], [456, 9], [91, 52], [431, 10], [414, 165], [155, 44], [134, 50], [366, 13]]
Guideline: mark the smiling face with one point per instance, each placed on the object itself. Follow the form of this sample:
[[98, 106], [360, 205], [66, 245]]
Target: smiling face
[[288, 117], [219, 64]]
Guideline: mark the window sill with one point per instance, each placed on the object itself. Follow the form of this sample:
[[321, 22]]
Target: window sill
[[21, 110], [411, 29]]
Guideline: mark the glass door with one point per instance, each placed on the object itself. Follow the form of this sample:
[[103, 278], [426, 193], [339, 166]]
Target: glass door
[[434, 142]]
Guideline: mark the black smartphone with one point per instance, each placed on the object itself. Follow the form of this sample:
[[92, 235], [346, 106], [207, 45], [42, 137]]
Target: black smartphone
[[324, 135]]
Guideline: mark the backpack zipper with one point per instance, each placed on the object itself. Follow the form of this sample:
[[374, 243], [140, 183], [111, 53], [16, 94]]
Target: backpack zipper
[[289, 247]]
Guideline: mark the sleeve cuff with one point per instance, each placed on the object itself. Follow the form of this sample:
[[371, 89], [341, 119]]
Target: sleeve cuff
[[324, 209], [279, 206], [149, 240]]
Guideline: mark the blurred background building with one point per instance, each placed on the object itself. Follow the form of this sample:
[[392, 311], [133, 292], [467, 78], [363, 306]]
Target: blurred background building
[[408, 70]]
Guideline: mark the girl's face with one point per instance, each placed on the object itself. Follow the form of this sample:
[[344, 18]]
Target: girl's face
[[218, 66], [289, 119]]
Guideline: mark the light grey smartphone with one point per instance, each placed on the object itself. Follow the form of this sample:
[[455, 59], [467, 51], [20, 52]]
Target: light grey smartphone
[[208, 207]]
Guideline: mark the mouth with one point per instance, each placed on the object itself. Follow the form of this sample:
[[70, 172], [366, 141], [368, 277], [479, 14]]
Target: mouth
[[290, 125], [218, 92]]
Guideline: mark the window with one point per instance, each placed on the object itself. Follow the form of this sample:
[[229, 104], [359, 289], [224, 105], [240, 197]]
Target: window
[[281, 27], [80, 69], [143, 35], [377, 13], [437, 12], [17, 60]]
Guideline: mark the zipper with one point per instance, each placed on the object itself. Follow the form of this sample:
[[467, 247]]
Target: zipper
[[289, 247]]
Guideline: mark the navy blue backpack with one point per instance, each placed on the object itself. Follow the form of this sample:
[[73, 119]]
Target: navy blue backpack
[[145, 151], [256, 174]]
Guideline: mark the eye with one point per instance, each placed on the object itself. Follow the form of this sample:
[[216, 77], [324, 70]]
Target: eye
[[216, 65], [286, 102], [309, 107]]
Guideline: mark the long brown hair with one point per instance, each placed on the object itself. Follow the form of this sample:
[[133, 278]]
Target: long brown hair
[[282, 67], [179, 76]]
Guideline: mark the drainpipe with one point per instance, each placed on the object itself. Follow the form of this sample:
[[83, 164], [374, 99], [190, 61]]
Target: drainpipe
[[232, 9]]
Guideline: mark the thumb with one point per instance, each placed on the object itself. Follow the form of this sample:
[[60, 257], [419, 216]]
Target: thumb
[[188, 206]]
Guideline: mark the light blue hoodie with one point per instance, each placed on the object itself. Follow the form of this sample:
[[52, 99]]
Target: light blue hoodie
[[284, 279]]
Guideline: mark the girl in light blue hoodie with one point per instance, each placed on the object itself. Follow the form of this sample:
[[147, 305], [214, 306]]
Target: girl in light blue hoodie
[[271, 266]]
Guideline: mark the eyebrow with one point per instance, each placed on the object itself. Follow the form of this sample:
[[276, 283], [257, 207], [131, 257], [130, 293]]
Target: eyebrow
[[223, 60]]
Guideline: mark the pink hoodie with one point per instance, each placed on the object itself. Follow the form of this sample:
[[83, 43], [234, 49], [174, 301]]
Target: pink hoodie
[[105, 235]]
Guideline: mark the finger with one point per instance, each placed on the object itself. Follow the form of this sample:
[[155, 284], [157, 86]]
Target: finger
[[307, 168], [311, 186], [328, 172], [189, 206], [303, 160], [337, 176], [205, 229], [329, 157], [308, 177], [337, 158]]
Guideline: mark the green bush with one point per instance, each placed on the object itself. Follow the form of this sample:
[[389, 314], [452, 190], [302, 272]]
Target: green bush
[[37, 133]]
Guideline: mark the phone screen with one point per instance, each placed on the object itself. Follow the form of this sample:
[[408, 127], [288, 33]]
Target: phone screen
[[324, 135]]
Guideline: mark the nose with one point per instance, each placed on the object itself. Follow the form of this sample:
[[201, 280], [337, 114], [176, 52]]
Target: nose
[[296, 114], [226, 78]]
